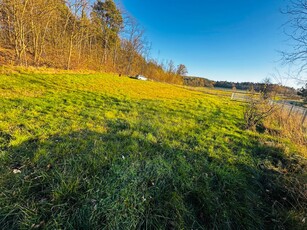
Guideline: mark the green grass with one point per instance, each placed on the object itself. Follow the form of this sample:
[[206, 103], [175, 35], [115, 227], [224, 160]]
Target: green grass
[[95, 151]]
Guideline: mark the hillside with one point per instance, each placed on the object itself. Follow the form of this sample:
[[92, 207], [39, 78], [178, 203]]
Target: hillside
[[77, 35], [94, 151]]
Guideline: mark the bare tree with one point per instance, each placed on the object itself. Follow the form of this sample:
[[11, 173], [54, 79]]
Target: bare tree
[[41, 15], [14, 19], [171, 69], [296, 29], [71, 25], [133, 42], [256, 110], [267, 88], [181, 70]]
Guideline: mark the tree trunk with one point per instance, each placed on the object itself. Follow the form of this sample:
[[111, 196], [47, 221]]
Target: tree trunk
[[70, 52]]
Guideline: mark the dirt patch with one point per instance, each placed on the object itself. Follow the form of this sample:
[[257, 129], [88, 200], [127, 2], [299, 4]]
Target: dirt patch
[[6, 56]]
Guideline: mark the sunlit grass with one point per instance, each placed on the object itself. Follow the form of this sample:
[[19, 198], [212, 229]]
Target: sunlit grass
[[93, 151]]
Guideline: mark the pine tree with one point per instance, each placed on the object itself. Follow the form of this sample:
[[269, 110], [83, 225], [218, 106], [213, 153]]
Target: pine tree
[[110, 20]]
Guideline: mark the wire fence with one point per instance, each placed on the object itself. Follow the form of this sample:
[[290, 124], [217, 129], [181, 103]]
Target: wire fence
[[285, 107], [292, 110], [241, 96]]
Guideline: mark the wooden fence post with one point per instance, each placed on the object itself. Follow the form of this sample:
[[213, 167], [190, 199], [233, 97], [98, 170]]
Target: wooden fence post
[[304, 117], [281, 112], [282, 107], [290, 111]]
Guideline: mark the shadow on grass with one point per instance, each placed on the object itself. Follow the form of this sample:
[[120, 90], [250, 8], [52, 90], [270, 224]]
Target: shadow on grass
[[127, 179]]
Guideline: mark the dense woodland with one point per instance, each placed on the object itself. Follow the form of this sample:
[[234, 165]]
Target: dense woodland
[[248, 86], [258, 87], [76, 34], [197, 81]]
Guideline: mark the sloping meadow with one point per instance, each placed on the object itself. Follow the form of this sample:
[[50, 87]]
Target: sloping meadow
[[94, 151]]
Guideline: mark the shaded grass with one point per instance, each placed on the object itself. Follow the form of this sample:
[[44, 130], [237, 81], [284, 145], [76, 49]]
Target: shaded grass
[[97, 151]]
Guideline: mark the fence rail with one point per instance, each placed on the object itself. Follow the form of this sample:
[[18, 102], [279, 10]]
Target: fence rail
[[285, 107]]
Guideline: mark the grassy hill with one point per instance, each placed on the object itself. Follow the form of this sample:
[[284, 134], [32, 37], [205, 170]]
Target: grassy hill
[[94, 151]]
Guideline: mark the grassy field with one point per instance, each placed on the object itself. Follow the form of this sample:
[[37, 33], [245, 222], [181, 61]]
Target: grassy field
[[95, 151]]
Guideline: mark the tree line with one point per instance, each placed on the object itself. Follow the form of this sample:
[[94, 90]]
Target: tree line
[[247, 86], [258, 87], [73, 34], [197, 81]]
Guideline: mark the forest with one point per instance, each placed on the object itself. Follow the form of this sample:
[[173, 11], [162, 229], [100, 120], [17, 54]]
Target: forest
[[246, 86], [77, 34]]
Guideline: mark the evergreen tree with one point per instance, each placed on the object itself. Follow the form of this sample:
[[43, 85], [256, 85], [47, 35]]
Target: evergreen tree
[[303, 92], [110, 19]]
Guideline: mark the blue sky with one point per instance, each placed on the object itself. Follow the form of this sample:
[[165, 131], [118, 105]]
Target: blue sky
[[235, 40]]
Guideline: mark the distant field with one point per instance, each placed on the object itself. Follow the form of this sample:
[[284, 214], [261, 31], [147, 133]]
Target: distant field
[[95, 151], [212, 91]]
